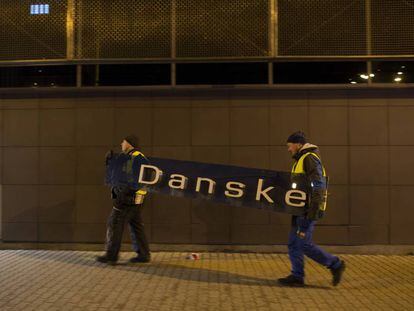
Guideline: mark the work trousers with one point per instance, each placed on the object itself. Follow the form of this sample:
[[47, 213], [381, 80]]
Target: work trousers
[[300, 244], [131, 214]]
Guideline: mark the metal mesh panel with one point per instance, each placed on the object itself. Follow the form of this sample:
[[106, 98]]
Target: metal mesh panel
[[27, 36], [140, 29], [123, 28], [392, 27], [217, 28], [321, 27]]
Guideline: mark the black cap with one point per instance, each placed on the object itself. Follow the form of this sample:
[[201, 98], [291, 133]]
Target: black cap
[[297, 138], [132, 140]]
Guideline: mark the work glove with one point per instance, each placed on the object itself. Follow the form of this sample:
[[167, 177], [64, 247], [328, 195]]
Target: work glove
[[317, 201], [302, 224]]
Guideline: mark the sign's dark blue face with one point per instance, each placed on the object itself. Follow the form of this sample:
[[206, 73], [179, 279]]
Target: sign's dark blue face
[[232, 185]]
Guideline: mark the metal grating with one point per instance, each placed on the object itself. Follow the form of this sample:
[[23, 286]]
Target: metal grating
[[321, 27], [32, 36], [217, 28], [123, 28], [392, 27], [155, 29]]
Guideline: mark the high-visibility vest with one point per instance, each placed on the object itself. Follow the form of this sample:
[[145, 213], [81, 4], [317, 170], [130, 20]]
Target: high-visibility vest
[[298, 165], [135, 154], [298, 169]]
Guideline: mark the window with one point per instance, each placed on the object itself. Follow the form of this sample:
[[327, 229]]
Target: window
[[37, 76], [222, 73], [126, 75], [393, 71], [39, 9], [320, 73]]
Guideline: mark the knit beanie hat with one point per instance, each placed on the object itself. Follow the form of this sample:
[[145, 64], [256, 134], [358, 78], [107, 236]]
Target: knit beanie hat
[[297, 138], [132, 140]]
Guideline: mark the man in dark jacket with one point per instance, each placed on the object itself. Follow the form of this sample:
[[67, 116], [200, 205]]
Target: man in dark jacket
[[127, 207], [308, 164]]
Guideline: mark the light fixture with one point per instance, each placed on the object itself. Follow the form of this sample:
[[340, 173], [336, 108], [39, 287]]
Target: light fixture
[[39, 9], [397, 79]]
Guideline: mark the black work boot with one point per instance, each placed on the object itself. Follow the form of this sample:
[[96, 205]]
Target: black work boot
[[291, 280], [106, 259], [140, 259], [337, 273]]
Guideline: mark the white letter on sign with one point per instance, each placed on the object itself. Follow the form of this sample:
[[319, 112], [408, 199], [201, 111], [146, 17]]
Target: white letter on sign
[[211, 184], [178, 181], [155, 177], [234, 192], [295, 195], [261, 192]]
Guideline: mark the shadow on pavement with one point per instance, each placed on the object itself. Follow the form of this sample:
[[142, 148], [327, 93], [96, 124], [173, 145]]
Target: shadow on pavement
[[161, 268]]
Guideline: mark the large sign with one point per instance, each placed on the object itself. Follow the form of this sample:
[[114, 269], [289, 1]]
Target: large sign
[[232, 185]]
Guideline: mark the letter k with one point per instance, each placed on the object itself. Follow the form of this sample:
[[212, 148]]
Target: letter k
[[263, 193]]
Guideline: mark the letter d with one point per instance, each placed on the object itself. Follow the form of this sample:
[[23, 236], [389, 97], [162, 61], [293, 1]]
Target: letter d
[[155, 177]]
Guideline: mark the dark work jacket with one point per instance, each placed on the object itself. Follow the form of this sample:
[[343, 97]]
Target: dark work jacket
[[124, 195], [314, 174]]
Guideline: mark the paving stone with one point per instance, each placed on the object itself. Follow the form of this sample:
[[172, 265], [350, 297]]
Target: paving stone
[[72, 280]]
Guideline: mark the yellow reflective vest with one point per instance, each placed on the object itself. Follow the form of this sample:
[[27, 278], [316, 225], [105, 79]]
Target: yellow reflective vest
[[298, 169], [298, 165], [129, 168]]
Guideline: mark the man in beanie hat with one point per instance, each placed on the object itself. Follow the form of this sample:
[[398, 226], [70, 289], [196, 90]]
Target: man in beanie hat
[[127, 207], [307, 162], [132, 140]]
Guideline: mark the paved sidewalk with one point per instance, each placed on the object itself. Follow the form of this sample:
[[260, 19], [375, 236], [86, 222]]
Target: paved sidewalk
[[72, 280]]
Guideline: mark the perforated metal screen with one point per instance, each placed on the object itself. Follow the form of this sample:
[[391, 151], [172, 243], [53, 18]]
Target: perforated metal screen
[[393, 27], [214, 28], [321, 27], [32, 36], [123, 28], [155, 29]]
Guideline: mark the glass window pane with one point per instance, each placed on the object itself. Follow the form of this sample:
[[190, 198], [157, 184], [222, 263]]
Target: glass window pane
[[38, 76], [222, 73], [393, 72], [320, 73]]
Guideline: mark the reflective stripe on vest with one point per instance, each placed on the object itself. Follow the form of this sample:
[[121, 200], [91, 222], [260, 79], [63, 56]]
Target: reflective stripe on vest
[[135, 154], [298, 165], [298, 169]]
